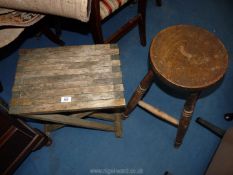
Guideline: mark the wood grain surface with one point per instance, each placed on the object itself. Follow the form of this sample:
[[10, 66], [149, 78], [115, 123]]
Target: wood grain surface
[[90, 75], [188, 57]]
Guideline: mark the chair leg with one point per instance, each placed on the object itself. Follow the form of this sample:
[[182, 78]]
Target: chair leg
[[48, 33], [158, 2], [140, 91], [1, 87], [142, 21], [186, 117], [97, 34], [95, 23], [58, 25]]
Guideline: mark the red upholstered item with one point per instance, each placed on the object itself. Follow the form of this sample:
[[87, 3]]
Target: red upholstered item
[[109, 6]]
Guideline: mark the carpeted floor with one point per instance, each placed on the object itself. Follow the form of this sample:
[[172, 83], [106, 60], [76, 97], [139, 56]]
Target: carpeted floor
[[147, 143]]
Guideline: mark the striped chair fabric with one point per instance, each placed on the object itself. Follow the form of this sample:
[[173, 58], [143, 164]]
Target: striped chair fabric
[[109, 6]]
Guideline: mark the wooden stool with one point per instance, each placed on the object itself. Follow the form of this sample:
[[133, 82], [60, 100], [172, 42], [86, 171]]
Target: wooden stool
[[67, 85], [185, 57]]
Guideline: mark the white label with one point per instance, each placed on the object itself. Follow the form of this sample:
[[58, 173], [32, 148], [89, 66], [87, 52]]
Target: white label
[[66, 99]]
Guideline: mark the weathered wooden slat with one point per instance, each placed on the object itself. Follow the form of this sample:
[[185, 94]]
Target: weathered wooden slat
[[67, 51], [67, 78], [35, 66], [116, 69], [115, 57], [115, 62], [66, 63], [66, 60], [63, 107], [79, 106], [56, 100], [65, 85], [58, 93], [83, 48], [63, 67], [95, 69]]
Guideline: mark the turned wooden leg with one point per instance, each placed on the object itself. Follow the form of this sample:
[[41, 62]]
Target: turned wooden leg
[[186, 117], [142, 21], [140, 91]]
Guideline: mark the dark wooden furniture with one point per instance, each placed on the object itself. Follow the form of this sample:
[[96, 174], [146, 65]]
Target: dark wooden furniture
[[1, 87], [187, 58], [68, 85], [222, 160], [52, 36], [17, 141], [158, 2], [101, 9]]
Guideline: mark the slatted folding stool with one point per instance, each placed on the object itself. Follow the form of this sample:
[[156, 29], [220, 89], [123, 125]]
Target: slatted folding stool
[[187, 58], [69, 85]]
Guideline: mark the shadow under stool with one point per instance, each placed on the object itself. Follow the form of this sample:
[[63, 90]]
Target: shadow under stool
[[187, 58]]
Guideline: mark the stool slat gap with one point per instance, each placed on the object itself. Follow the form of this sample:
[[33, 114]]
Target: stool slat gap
[[88, 76]]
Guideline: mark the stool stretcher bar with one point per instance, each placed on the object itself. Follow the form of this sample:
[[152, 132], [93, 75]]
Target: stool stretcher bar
[[113, 117], [158, 113]]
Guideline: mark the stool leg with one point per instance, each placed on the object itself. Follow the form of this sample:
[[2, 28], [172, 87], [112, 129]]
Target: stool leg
[[140, 91], [118, 128], [186, 117]]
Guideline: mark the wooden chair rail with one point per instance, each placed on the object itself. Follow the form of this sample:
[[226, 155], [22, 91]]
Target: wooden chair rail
[[139, 19]]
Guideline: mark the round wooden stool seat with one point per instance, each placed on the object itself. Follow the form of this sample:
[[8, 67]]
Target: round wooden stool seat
[[188, 57]]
